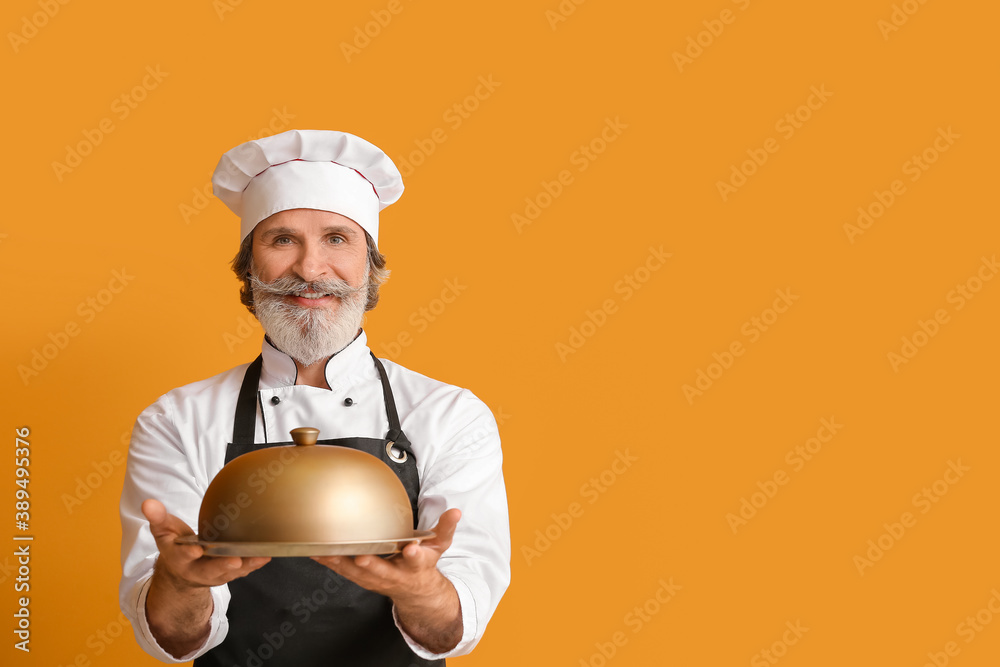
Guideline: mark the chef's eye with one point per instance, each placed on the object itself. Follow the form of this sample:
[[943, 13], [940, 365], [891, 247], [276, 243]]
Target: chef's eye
[[336, 240], [282, 240]]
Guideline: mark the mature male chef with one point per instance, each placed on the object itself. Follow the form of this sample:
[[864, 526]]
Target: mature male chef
[[309, 203]]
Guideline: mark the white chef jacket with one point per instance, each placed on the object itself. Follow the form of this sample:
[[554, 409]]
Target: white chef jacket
[[179, 444]]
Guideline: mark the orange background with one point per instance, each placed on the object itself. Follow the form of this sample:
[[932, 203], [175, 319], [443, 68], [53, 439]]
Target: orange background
[[227, 76]]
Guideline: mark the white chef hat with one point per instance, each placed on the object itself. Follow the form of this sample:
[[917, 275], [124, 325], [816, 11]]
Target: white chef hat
[[320, 169]]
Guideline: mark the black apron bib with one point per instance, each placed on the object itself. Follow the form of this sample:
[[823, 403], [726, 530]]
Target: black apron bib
[[295, 612]]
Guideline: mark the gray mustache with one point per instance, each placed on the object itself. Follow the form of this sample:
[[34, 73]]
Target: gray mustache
[[290, 285]]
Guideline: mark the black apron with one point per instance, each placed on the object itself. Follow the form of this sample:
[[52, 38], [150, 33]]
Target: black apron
[[295, 612]]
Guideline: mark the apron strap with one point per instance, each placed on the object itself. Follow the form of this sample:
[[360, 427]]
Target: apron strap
[[395, 435], [245, 424]]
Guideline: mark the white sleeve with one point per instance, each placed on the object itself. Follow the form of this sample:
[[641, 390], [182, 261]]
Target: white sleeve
[[158, 468], [465, 471]]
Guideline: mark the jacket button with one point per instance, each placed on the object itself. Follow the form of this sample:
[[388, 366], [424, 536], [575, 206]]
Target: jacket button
[[275, 400], [348, 401]]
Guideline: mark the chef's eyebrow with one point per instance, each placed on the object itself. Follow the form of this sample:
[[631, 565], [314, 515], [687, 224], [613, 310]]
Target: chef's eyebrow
[[332, 229], [340, 229]]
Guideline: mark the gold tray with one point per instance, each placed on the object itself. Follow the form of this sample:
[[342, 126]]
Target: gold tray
[[279, 549]]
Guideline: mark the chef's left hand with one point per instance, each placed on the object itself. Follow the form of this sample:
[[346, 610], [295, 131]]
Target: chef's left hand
[[409, 575], [426, 602]]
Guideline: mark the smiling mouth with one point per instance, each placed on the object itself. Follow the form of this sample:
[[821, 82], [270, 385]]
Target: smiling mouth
[[310, 295]]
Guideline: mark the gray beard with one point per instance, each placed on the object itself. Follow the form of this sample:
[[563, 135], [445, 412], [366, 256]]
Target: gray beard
[[309, 335]]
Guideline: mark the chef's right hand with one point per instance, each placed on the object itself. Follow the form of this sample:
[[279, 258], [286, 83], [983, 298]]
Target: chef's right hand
[[187, 566]]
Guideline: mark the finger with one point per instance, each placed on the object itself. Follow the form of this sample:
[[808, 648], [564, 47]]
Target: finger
[[348, 568], [219, 570], [189, 552], [162, 524], [250, 565], [257, 562], [338, 564], [425, 554], [342, 565], [203, 571], [165, 528], [411, 560], [444, 531], [378, 568], [416, 556], [154, 511]]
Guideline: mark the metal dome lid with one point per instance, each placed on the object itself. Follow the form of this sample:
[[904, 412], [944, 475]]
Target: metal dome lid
[[305, 500]]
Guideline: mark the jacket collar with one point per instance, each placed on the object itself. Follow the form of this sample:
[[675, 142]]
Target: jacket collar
[[342, 368]]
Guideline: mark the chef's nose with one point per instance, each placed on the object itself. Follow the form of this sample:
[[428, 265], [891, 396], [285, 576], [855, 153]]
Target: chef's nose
[[310, 265]]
